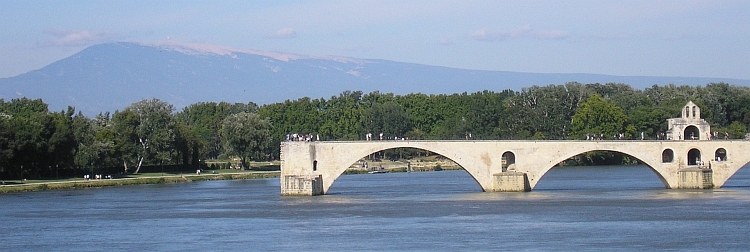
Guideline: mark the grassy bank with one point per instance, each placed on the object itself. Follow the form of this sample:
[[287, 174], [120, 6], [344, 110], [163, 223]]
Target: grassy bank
[[80, 184]]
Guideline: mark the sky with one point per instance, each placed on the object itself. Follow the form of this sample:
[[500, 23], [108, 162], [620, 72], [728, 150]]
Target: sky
[[688, 38]]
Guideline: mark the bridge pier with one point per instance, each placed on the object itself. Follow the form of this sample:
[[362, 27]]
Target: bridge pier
[[294, 185], [511, 181], [695, 178]]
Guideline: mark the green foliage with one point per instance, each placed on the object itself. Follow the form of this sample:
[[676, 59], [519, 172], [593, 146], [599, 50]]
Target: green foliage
[[146, 132], [736, 130], [201, 123], [246, 135], [36, 142], [598, 116], [388, 118], [437, 168]]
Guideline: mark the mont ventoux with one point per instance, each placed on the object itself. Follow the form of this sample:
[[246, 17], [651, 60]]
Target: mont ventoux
[[111, 76]]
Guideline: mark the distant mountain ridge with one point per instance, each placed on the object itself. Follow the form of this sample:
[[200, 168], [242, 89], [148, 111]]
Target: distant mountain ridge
[[109, 77]]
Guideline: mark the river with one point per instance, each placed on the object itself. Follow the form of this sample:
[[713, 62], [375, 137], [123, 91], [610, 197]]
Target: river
[[572, 208]]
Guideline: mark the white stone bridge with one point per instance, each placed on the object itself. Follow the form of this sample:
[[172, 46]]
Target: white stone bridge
[[310, 168]]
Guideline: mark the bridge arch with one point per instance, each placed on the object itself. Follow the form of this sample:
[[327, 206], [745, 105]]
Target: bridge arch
[[342, 166], [645, 159]]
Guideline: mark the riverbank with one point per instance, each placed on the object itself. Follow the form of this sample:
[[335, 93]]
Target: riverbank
[[97, 183], [424, 164]]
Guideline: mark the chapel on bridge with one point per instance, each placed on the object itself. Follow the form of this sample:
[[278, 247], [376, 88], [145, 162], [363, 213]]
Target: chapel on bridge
[[689, 126]]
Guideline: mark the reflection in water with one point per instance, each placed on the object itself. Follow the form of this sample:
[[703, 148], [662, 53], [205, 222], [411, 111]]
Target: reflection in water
[[572, 207]]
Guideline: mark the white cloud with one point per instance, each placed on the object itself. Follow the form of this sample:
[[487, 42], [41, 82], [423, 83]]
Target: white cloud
[[285, 33], [445, 42], [523, 32], [79, 38], [485, 35]]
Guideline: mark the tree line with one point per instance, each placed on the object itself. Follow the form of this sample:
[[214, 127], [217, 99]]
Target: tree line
[[38, 143]]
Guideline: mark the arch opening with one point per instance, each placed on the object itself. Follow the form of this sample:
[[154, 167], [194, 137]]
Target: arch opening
[[692, 133], [720, 154], [601, 170], [402, 160], [667, 156], [600, 158], [315, 165], [509, 161], [392, 161], [694, 157]]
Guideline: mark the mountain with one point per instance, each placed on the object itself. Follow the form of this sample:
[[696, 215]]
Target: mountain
[[109, 77]]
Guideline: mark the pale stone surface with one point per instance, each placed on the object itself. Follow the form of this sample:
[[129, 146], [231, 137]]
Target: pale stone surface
[[302, 185], [695, 178], [483, 159], [511, 182], [689, 126]]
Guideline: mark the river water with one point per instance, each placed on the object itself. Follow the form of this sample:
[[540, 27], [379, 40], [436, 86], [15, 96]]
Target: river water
[[572, 208]]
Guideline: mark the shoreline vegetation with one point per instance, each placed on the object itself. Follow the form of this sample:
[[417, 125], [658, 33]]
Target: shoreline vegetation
[[16, 186], [139, 180]]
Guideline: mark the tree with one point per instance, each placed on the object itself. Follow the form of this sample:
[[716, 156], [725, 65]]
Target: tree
[[737, 130], [6, 136], [343, 116], [598, 116], [645, 119], [95, 139], [246, 135], [187, 144], [28, 127], [388, 118], [62, 142], [204, 121], [145, 132]]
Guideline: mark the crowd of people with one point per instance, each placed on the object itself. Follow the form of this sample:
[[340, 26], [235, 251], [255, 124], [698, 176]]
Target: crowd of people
[[660, 136], [592, 137], [301, 137], [368, 137]]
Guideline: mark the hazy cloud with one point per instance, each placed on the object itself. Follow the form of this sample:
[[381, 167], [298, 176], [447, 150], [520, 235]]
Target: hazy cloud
[[547, 34], [523, 32], [79, 38], [285, 33], [445, 42]]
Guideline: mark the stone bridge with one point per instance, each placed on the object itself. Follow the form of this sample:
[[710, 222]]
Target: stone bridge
[[310, 168]]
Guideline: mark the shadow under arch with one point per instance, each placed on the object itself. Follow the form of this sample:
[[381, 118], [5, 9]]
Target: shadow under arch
[[341, 170], [641, 160], [742, 174]]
